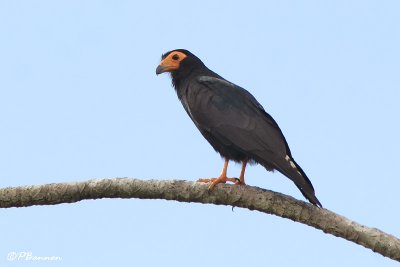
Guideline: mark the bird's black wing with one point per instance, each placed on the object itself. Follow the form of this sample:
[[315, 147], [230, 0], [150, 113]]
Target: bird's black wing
[[232, 116], [236, 117]]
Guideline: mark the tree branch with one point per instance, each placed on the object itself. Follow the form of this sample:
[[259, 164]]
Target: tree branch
[[252, 198]]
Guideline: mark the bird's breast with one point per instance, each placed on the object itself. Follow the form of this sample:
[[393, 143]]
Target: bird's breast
[[196, 100]]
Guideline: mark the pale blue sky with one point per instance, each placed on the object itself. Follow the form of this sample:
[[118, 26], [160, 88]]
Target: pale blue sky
[[79, 99]]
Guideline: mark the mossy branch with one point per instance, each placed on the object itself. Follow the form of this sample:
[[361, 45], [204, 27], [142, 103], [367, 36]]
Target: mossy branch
[[252, 198]]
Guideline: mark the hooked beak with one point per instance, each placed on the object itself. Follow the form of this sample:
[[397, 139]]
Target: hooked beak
[[160, 69]]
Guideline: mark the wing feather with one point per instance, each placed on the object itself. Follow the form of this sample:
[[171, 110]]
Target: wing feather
[[235, 117]]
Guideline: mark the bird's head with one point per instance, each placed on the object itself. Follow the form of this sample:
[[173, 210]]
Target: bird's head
[[178, 61], [171, 61]]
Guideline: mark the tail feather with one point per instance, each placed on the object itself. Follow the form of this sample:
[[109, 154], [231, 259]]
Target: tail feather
[[294, 172]]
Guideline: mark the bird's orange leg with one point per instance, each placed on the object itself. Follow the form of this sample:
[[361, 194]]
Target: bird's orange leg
[[241, 177], [221, 179]]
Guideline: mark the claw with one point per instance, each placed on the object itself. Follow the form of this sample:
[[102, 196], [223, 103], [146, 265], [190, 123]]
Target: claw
[[222, 179]]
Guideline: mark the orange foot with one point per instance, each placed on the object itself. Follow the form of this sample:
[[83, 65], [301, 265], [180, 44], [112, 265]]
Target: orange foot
[[220, 180]]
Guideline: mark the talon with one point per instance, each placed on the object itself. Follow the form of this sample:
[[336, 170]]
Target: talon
[[205, 180], [222, 179], [219, 180], [239, 182]]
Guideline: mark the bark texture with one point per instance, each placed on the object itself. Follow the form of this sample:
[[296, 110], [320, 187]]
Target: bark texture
[[252, 198]]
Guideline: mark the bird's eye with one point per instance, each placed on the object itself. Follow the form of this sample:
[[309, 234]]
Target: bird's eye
[[175, 57]]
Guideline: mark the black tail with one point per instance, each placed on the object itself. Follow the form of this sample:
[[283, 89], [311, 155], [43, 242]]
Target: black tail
[[294, 172]]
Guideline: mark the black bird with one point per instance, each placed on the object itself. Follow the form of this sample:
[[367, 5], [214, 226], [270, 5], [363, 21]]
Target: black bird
[[232, 121]]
